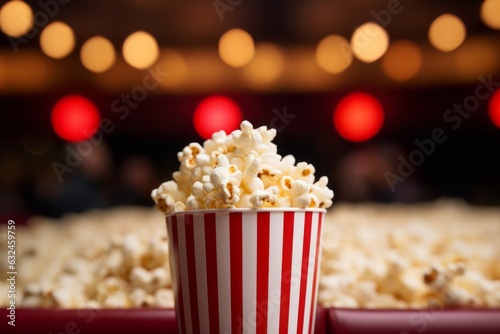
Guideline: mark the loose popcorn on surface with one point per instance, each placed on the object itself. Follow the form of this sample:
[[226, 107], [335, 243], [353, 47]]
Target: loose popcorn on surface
[[241, 170], [114, 258], [442, 254]]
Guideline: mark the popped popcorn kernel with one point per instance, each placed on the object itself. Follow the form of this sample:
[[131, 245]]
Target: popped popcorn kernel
[[241, 170]]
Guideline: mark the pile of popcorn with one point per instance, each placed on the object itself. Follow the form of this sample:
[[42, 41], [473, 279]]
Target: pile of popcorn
[[442, 254], [100, 259], [241, 170]]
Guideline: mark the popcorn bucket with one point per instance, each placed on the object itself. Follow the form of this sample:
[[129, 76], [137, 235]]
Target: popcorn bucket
[[245, 270]]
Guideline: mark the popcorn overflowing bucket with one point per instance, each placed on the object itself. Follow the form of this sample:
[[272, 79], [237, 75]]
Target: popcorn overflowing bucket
[[245, 270]]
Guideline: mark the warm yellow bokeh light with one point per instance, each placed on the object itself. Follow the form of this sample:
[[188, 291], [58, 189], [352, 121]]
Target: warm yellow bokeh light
[[267, 65], [97, 54], [29, 71], [16, 18], [369, 42], [447, 32], [173, 63], [490, 13], [475, 57], [236, 48], [334, 54], [206, 70], [3, 73], [402, 61], [57, 40], [140, 50]]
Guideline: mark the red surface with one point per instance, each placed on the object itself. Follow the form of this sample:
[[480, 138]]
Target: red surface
[[91, 321], [104, 321], [338, 321], [356, 321]]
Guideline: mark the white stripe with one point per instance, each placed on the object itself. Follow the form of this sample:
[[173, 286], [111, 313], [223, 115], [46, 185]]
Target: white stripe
[[275, 260], [298, 243], [183, 260], [310, 272], [201, 271], [171, 257], [171, 260], [249, 232], [223, 272], [318, 270]]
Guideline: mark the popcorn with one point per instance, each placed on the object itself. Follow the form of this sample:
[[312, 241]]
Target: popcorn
[[138, 297], [164, 298], [140, 277], [374, 255], [240, 170], [401, 256], [264, 198]]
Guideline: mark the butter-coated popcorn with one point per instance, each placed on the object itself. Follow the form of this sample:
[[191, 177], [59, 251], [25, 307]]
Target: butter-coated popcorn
[[140, 278], [240, 170], [264, 198], [137, 297], [164, 298], [411, 255], [73, 262], [118, 299]]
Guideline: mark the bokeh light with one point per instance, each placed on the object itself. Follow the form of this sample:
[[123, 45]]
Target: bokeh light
[[490, 13], [174, 64], [97, 54], [447, 32], [494, 108], [267, 65], [358, 117], [333, 54], [475, 57], [369, 42], [140, 50], [236, 48], [29, 71], [57, 40], [75, 118], [402, 61], [216, 113], [16, 18], [3, 72]]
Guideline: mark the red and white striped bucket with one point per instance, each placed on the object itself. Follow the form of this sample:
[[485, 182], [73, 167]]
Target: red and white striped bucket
[[245, 270]]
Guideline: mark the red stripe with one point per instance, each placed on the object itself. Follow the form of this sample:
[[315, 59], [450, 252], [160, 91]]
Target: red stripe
[[236, 258], [211, 252], [304, 271], [262, 271], [180, 307], [191, 264], [286, 271], [313, 300]]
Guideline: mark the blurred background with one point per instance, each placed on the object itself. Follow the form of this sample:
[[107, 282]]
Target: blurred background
[[392, 100]]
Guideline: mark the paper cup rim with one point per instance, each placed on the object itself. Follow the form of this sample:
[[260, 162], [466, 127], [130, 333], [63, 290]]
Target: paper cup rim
[[243, 210]]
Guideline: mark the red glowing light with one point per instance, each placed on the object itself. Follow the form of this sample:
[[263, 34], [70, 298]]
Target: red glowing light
[[494, 108], [75, 118], [216, 113], [358, 117]]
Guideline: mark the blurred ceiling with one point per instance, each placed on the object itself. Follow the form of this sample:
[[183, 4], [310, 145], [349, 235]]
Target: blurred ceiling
[[196, 23], [188, 34]]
